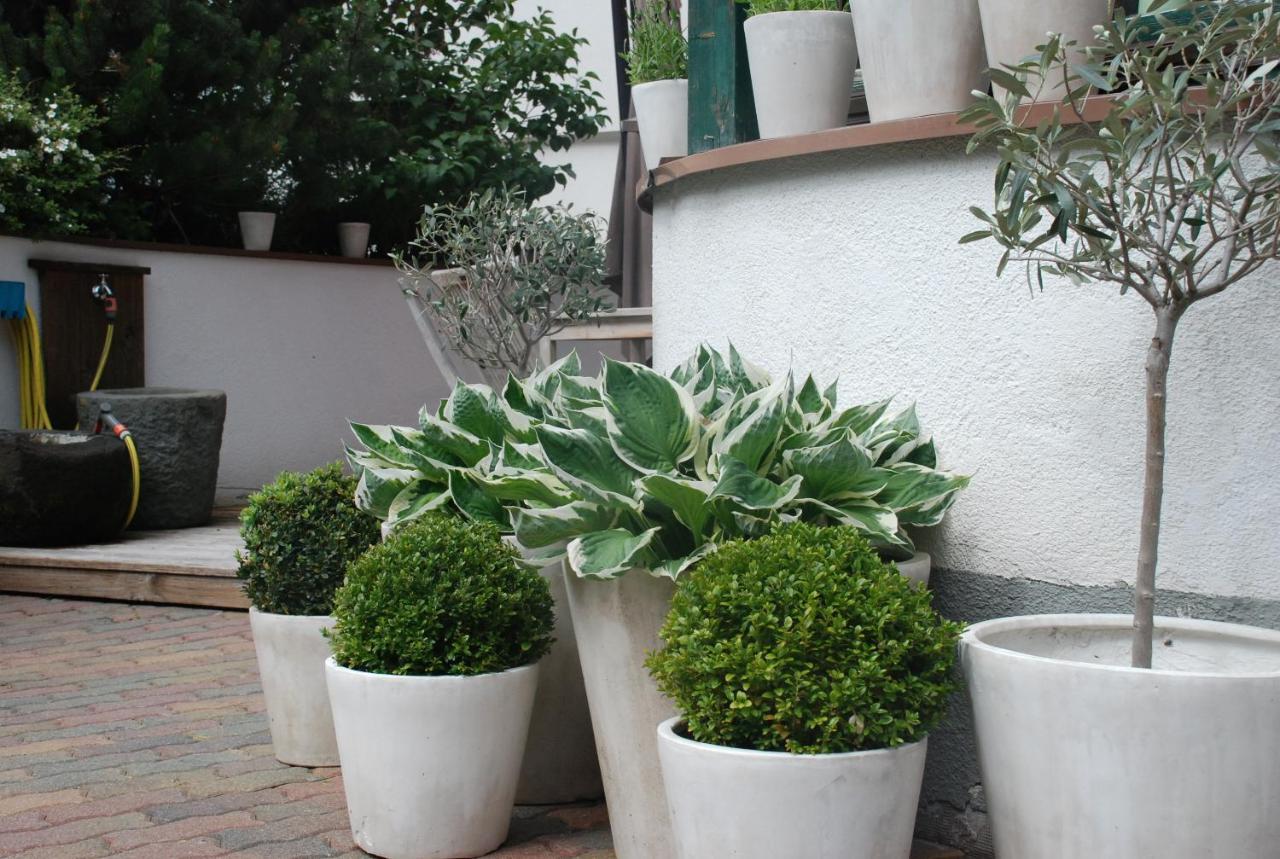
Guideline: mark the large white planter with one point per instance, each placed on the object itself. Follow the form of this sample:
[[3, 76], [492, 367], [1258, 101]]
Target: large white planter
[[353, 239], [1083, 756], [662, 111], [291, 654], [1011, 29], [765, 805], [919, 57], [256, 229], [917, 568], [802, 66], [430, 764], [617, 623]]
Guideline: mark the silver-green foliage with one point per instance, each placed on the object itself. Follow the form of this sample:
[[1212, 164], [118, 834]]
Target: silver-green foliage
[[762, 7], [658, 50]]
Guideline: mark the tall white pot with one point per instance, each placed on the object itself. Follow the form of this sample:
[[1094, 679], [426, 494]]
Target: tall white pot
[[1083, 756], [353, 239], [1011, 29], [919, 57], [617, 623], [662, 112], [256, 230], [764, 805], [291, 653], [429, 764], [802, 66]]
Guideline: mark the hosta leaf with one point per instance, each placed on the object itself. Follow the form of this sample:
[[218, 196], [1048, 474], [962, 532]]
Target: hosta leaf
[[877, 522], [432, 460], [536, 528], [360, 459], [743, 375], [417, 498], [746, 490], [688, 499], [755, 437], [650, 419], [587, 463], [465, 447], [524, 487], [379, 441], [915, 486], [924, 454], [477, 410], [673, 568], [609, 554], [476, 503], [522, 399], [592, 418], [861, 418], [838, 471], [378, 488]]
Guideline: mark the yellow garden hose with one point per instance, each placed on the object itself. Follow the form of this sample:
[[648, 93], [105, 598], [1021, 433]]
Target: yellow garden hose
[[33, 413], [102, 362], [137, 477]]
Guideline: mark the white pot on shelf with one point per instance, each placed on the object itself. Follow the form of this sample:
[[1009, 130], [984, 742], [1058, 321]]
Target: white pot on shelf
[[1011, 29], [430, 764], [1084, 756], [256, 230], [919, 57], [353, 239], [802, 67], [762, 805], [291, 653], [617, 623], [662, 112]]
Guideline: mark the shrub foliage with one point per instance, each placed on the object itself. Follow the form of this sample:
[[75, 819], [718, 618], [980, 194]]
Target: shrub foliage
[[300, 533], [441, 596], [805, 641]]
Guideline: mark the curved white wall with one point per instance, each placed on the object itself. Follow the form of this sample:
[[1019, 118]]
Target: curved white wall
[[849, 265]]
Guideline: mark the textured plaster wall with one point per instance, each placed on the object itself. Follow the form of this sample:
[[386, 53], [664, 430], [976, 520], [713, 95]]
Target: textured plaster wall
[[849, 265]]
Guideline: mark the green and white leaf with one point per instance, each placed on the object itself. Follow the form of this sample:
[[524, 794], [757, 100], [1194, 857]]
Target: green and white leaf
[[380, 443], [378, 488], [609, 554], [416, 499], [538, 528], [836, 472], [748, 491], [471, 497], [688, 499], [649, 418]]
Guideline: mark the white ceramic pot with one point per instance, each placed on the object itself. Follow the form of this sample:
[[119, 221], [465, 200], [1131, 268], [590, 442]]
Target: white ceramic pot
[[1083, 756], [256, 229], [617, 623], [919, 57], [1011, 29], [291, 654], [802, 66], [917, 568], [429, 764], [765, 805], [353, 239], [662, 111]]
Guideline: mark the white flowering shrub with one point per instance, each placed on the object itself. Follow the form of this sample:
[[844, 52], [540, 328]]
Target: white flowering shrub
[[50, 182]]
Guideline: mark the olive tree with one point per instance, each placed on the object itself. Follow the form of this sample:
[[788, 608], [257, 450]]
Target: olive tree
[[1169, 189]]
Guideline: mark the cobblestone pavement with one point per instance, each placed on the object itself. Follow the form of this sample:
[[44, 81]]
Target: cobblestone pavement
[[138, 731]]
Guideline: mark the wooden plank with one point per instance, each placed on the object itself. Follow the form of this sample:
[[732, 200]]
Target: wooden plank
[[722, 108], [124, 586]]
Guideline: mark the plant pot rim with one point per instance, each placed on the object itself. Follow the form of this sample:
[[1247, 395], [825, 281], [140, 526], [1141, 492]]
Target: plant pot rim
[[661, 81], [331, 664], [255, 212], [842, 13], [667, 732], [274, 614], [353, 223], [972, 639]]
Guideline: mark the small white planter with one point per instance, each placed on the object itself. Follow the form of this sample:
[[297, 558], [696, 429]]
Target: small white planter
[[617, 623], [256, 229], [917, 568], [1083, 756], [353, 239], [919, 57], [291, 654], [765, 805], [430, 764], [662, 111], [1011, 29], [802, 66]]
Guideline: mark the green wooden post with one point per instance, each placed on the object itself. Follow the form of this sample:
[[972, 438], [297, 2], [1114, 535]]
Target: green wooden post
[[721, 108]]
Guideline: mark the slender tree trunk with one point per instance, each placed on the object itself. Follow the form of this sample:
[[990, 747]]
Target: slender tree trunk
[[1153, 485]]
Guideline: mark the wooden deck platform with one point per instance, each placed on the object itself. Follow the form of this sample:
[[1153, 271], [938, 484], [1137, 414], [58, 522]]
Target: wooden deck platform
[[192, 566]]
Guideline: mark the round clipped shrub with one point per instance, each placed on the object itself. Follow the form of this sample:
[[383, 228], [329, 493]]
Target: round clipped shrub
[[443, 595], [805, 641], [300, 533]]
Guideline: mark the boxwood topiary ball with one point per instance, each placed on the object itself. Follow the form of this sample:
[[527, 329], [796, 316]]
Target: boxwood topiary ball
[[443, 595], [805, 641]]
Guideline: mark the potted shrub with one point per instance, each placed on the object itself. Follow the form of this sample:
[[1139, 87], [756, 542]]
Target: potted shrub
[[803, 56], [1014, 29], [807, 673], [437, 636], [299, 532], [1152, 736], [658, 67], [919, 57]]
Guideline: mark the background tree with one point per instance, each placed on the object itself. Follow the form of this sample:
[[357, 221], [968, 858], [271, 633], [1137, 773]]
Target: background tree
[[1173, 195]]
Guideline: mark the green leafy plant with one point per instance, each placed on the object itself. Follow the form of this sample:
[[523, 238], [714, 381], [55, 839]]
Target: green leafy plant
[[658, 50], [524, 271], [1173, 194], [51, 182], [763, 7], [805, 641], [300, 533], [441, 596]]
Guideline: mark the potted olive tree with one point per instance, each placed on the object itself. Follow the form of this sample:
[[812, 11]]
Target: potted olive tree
[[436, 642], [1153, 736], [803, 56], [299, 532], [658, 67], [807, 673]]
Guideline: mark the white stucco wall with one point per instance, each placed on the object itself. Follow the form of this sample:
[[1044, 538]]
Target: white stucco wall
[[299, 347], [849, 265]]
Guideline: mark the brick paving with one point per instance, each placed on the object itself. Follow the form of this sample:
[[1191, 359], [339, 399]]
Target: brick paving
[[138, 731]]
